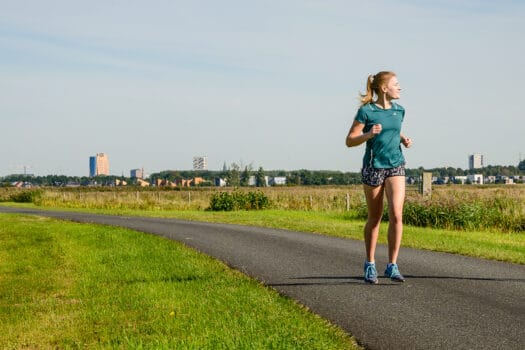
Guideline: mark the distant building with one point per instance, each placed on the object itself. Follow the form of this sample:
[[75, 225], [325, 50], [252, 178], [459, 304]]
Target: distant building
[[136, 173], [502, 179], [475, 161], [98, 165], [220, 182], [475, 179], [460, 179], [22, 184], [165, 183], [92, 166], [278, 181], [268, 181], [142, 183], [200, 163], [120, 182]]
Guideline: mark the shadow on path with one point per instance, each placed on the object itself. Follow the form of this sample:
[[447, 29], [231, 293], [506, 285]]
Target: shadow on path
[[347, 280]]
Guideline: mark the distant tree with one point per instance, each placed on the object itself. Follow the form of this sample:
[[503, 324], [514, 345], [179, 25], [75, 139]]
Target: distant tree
[[245, 177], [259, 178], [451, 172], [505, 171], [306, 177], [521, 166], [233, 177], [294, 178]]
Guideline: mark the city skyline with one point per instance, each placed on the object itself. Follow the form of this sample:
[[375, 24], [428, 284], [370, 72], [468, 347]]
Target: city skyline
[[99, 165], [274, 85], [475, 161]]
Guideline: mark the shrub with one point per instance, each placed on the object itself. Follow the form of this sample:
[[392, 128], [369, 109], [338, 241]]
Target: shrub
[[29, 196], [257, 200], [463, 216], [224, 201], [502, 214]]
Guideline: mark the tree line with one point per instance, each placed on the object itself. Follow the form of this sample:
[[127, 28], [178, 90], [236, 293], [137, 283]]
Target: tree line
[[237, 176]]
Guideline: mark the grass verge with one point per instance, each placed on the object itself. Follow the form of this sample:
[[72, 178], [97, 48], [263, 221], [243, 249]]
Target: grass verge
[[70, 285], [508, 247]]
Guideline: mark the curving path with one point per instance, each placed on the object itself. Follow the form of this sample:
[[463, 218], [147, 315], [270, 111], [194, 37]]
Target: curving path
[[448, 301]]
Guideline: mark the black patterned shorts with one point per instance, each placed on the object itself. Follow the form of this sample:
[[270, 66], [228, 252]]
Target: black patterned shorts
[[376, 177]]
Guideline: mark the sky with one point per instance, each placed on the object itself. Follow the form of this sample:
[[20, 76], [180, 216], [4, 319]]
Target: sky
[[271, 84]]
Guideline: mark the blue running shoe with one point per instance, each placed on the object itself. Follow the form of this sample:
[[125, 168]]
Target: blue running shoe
[[392, 272], [370, 273]]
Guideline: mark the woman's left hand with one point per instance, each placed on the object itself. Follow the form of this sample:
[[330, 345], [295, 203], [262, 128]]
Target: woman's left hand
[[406, 141]]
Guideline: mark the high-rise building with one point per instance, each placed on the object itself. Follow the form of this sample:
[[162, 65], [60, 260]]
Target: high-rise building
[[475, 161], [99, 165], [92, 166], [137, 173], [200, 163]]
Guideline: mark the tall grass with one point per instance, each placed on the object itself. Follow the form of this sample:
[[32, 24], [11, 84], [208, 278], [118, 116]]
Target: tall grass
[[503, 214], [286, 198], [464, 207]]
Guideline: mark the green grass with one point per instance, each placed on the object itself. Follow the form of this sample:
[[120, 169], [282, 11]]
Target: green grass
[[508, 247], [70, 285]]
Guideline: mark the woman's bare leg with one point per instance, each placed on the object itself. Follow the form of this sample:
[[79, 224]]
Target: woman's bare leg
[[395, 194], [374, 201]]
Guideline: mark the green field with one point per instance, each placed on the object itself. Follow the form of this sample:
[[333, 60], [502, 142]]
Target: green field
[[493, 245], [69, 285]]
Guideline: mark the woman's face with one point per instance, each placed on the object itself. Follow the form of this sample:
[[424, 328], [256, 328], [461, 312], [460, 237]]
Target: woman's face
[[392, 88]]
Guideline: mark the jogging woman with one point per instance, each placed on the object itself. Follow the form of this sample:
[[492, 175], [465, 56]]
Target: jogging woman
[[378, 123]]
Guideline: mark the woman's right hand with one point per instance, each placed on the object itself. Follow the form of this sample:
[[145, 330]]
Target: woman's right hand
[[375, 130]]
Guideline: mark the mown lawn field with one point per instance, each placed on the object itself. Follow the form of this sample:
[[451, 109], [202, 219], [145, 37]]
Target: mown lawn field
[[69, 285]]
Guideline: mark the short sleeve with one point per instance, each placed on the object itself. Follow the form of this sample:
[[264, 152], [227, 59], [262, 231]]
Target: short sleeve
[[361, 116], [400, 108]]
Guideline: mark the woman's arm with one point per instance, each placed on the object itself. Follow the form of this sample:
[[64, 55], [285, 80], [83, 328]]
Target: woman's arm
[[356, 137]]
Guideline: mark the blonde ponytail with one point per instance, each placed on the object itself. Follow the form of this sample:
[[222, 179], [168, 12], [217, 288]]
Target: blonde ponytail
[[373, 84], [368, 97]]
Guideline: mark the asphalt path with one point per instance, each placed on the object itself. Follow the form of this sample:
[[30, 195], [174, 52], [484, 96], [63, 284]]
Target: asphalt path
[[448, 301]]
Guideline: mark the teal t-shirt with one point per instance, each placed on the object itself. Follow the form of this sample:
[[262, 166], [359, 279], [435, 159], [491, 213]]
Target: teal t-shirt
[[383, 150]]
